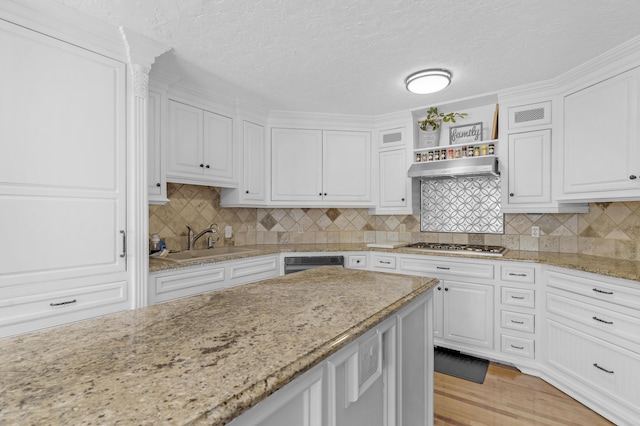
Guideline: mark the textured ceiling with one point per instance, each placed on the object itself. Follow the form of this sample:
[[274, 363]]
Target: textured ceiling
[[352, 56]]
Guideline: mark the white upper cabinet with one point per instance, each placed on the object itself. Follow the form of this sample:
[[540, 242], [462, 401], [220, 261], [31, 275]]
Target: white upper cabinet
[[528, 146], [601, 159], [296, 165], [529, 167], [321, 167], [393, 181], [252, 163], [254, 178], [156, 170], [200, 146], [346, 166]]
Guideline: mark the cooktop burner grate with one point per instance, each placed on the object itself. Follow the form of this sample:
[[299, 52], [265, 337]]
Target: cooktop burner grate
[[460, 248]]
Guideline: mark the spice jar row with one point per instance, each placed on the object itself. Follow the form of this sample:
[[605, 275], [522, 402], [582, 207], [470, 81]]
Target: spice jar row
[[449, 154]]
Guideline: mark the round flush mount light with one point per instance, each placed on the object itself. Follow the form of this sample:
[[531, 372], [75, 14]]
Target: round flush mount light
[[428, 81]]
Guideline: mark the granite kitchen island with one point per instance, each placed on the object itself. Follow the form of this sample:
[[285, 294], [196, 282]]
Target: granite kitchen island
[[203, 359]]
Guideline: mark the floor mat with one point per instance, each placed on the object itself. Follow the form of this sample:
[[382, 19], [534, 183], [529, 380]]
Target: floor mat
[[455, 364]]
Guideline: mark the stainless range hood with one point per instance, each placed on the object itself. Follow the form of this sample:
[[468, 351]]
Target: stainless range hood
[[457, 167]]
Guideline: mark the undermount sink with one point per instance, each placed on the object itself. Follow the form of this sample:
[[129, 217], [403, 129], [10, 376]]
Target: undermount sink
[[189, 255]]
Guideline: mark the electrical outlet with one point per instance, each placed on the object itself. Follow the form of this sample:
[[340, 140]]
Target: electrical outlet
[[228, 232], [300, 228], [535, 231]]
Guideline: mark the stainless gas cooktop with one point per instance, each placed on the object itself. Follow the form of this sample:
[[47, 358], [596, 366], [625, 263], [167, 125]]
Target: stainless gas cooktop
[[460, 248]]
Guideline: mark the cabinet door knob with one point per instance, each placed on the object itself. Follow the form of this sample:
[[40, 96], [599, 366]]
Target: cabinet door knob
[[246, 192], [207, 166], [201, 165], [446, 289], [511, 194], [325, 194], [439, 288], [402, 199], [632, 177], [158, 184], [320, 194]]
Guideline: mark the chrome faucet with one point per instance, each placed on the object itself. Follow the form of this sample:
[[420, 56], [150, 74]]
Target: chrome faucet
[[213, 229]]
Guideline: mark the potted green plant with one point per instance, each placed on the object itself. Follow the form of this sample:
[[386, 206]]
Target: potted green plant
[[430, 126]]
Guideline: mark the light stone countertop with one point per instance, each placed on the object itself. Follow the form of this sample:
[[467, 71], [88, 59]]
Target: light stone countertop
[[617, 268], [201, 359]]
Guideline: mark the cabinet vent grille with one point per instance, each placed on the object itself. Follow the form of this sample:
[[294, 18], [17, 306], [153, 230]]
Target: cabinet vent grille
[[392, 137], [527, 115]]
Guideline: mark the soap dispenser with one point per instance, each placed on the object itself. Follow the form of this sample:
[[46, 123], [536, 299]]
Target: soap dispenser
[[154, 244]]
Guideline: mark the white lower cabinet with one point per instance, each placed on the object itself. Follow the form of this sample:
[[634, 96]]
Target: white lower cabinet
[[385, 377], [298, 403], [592, 331], [183, 282], [605, 376], [465, 314], [463, 300]]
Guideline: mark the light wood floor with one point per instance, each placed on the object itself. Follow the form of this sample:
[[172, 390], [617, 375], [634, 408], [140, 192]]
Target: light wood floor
[[507, 397]]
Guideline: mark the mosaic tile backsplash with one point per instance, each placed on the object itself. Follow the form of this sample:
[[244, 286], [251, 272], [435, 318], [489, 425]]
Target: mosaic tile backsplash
[[609, 229], [463, 205]]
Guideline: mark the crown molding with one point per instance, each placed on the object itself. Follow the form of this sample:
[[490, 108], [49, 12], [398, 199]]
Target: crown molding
[[66, 24]]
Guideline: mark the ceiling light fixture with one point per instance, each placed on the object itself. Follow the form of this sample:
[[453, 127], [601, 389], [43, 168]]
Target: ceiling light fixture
[[428, 81]]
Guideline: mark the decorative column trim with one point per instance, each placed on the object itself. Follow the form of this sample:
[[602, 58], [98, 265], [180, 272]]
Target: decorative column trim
[[141, 53]]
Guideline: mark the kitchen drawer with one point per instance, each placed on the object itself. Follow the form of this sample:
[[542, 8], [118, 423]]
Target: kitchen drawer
[[595, 288], [357, 261], [518, 297], [518, 274], [184, 280], [24, 309], [384, 262], [606, 368], [517, 321], [608, 321], [518, 346], [445, 267], [171, 285], [254, 269]]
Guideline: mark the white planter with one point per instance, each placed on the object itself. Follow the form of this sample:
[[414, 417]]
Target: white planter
[[428, 138]]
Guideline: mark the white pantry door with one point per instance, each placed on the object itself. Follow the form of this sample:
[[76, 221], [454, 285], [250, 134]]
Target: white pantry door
[[62, 161]]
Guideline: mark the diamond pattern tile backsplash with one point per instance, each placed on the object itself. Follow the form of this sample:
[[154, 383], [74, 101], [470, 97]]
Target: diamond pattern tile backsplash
[[462, 205], [609, 229]]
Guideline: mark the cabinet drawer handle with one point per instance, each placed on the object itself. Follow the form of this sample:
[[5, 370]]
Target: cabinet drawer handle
[[602, 291], [632, 177], [386, 262], [517, 297], [517, 347], [68, 302], [601, 320], [595, 364], [512, 274], [517, 322], [444, 268]]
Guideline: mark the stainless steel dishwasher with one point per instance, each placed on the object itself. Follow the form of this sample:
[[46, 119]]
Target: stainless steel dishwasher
[[301, 263]]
